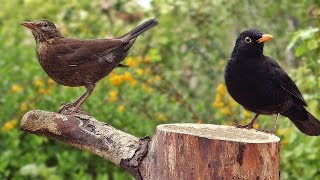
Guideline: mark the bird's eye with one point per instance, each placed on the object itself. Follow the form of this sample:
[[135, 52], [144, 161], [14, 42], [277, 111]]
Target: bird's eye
[[247, 40], [45, 25]]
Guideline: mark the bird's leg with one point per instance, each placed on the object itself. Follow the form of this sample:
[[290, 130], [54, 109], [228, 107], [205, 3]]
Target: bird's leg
[[274, 128], [75, 106], [275, 124], [250, 125], [84, 97]]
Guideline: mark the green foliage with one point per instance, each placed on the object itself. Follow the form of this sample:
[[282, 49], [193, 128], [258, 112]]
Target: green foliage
[[176, 75], [307, 40]]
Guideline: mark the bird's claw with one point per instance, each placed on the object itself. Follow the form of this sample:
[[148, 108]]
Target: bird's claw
[[249, 126], [269, 131], [246, 126], [69, 109], [66, 108]]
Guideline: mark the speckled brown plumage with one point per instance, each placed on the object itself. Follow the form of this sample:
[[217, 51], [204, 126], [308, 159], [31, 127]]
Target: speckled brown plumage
[[74, 62]]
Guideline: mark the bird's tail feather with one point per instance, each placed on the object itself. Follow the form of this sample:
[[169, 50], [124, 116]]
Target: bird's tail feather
[[142, 28], [304, 121]]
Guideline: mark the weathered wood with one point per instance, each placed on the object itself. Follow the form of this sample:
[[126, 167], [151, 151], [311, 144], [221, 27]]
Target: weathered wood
[[202, 151], [85, 132], [177, 151]]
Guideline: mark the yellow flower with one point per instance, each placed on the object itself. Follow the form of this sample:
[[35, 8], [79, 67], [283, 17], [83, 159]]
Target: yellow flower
[[50, 81], [256, 126], [225, 111], [115, 80], [9, 125], [221, 89], [48, 90], [218, 102], [23, 106], [218, 97], [161, 117], [138, 59], [16, 88], [41, 91], [139, 71], [246, 114], [147, 59], [232, 102], [113, 96], [131, 62], [133, 82], [157, 78], [147, 88], [121, 108], [150, 80], [127, 76], [144, 86], [38, 82]]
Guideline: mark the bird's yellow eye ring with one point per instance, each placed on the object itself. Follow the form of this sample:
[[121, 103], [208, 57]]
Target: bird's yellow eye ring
[[247, 40]]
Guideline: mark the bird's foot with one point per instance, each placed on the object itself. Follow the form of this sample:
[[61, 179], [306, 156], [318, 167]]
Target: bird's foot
[[246, 126], [66, 108], [269, 131], [69, 109]]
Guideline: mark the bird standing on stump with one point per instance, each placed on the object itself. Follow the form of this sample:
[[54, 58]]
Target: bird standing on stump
[[260, 85], [74, 62]]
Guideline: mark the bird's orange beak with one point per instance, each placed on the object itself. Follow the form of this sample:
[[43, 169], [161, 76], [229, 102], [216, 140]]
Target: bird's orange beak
[[29, 25], [265, 38]]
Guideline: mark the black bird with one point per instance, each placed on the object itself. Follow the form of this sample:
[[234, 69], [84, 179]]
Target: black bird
[[75, 62], [260, 85]]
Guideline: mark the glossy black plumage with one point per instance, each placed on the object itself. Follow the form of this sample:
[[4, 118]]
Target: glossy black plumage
[[260, 85]]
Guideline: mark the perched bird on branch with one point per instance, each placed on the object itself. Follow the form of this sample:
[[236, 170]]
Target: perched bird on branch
[[260, 85], [74, 62]]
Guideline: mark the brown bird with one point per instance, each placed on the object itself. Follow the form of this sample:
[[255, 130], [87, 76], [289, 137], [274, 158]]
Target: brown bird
[[74, 62]]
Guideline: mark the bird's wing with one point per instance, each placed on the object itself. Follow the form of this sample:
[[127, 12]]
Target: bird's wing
[[285, 81], [78, 52]]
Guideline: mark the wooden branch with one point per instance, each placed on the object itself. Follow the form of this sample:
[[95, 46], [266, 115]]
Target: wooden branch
[[177, 151], [85, 132]]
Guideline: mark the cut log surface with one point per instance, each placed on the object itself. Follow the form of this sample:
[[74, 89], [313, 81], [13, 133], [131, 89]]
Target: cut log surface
[[203, 151]]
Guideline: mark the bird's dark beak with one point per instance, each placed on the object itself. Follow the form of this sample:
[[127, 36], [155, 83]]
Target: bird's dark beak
[[265, 38], [29, 25]]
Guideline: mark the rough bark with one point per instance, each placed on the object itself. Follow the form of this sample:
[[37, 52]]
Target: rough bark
[[177, 151], [85, 132], [202, 151]]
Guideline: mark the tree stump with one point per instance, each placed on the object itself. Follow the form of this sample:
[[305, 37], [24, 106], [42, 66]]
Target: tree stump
[[177, 151], [205, 151]]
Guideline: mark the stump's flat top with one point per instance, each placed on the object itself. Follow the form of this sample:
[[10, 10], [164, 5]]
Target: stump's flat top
[[220, 132]]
